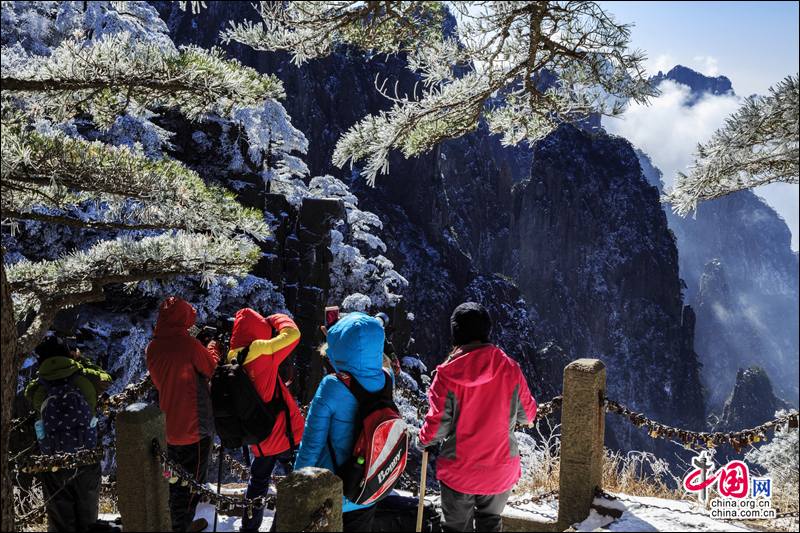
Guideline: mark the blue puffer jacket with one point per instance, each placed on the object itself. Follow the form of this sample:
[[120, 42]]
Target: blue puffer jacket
[[355, 346]]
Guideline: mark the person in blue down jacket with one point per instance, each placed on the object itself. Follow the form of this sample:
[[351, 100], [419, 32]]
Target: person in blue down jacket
[[355, 346]]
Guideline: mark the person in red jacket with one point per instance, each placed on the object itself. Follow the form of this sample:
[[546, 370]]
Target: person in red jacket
[[268, 342], [476, 398], [181, 367]]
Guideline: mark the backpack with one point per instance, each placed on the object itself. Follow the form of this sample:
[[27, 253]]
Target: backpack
[[381, 449], [399, 513], [66, 418], [241, 417]]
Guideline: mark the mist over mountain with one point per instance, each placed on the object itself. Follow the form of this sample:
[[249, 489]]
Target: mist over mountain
[[699, 83], [741, 277]]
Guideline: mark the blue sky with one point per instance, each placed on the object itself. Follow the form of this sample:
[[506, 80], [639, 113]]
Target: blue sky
[[754, 44]]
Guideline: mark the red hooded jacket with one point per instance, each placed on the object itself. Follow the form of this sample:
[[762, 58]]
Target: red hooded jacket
[[261, 364], [180, 366], [476, 399]]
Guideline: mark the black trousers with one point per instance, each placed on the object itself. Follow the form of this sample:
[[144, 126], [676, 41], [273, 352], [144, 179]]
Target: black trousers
[[359, 520], [195, 458], [73, 501], [461, 509]]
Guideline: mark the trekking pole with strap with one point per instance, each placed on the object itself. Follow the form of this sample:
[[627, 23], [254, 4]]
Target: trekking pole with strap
[[422, 490], [219, 482]]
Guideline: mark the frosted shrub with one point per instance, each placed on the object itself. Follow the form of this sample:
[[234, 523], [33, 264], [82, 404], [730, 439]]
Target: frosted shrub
[[359, 281], [781, 459]]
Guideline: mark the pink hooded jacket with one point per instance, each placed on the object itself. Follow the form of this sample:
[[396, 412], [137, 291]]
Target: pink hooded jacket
[[476, 399]]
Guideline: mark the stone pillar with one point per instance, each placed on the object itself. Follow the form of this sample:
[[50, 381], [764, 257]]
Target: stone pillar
[[582, 425], [142, 489], [302, 493]]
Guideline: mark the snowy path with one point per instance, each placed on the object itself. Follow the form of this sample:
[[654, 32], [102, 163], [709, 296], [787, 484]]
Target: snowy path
[[636, 516]]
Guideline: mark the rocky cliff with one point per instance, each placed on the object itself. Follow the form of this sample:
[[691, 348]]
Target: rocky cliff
[[752, 401], [565, 243], [699, 83], [742, 249]]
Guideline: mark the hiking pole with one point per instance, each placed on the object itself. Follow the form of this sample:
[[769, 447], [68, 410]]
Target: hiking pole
[[422, 490], [219, 482]]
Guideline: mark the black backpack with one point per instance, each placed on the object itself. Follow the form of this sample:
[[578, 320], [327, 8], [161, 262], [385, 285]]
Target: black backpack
[[240, 415], [66, 417]]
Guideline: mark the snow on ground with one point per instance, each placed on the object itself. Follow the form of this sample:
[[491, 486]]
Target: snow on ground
[[639, 514]]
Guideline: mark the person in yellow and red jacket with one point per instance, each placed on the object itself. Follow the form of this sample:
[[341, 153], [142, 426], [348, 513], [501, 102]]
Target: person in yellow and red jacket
[[269, 342]]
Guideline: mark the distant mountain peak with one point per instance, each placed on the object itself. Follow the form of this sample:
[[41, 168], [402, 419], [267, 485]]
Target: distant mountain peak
[[700, 84]]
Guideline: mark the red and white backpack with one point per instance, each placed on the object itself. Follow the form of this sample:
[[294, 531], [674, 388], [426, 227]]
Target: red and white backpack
[[381, 446]]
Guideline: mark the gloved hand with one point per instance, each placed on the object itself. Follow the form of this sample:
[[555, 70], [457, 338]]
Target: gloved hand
[[421, 446]]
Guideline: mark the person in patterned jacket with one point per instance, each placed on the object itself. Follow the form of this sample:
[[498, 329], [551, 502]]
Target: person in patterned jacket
[[267, 341], [181, 368], [476, 398]]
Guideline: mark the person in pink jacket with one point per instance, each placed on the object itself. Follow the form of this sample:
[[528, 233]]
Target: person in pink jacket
[[476, 398]]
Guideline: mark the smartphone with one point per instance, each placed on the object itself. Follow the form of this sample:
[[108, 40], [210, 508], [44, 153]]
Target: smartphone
[[331, 316]]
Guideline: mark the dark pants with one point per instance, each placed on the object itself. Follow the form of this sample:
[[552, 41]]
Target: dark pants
[[260, 474], [359, 520], [72, 501], [195, 459], [461, 509]]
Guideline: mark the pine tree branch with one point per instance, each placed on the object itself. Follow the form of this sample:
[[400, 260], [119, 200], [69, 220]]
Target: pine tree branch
[[35, 333]]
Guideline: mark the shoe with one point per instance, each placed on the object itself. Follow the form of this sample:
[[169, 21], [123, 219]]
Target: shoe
[[198, 525]]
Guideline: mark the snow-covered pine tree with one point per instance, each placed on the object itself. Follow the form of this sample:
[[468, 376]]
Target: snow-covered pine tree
[[362, 279], [109, 64], [759, 145], [501, 48]]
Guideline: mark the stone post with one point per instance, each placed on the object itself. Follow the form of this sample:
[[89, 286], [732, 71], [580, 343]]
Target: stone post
[[583, 421], [302, 493], [142, 489]]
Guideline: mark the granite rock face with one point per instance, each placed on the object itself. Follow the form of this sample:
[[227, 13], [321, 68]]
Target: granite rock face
[[565, 243], [741, 275], [752, 401], [699, 83]]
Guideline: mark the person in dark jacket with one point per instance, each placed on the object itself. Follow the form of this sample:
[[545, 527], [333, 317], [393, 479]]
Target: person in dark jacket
[[181, 368], [355, 346], [264, 355], [72, 494], [476, 398]]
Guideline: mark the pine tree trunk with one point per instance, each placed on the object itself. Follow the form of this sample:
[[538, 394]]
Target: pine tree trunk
[[8, 371]]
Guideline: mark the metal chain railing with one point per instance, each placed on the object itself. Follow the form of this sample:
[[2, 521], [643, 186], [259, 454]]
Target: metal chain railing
[[39, 463], [176, 473], [108, 489], [535, 499], [237, 468], [738, 440], [131, 394]]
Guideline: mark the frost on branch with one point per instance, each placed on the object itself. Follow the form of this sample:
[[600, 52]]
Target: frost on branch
[[758, 145], [491, 71]]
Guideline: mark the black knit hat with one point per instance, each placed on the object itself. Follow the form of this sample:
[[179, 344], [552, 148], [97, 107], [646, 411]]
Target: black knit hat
[[470, 322], [52, 347]]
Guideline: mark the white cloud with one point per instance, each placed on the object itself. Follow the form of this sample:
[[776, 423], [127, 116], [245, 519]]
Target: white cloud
[[662, 63], [668, 131], [707, 65]]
